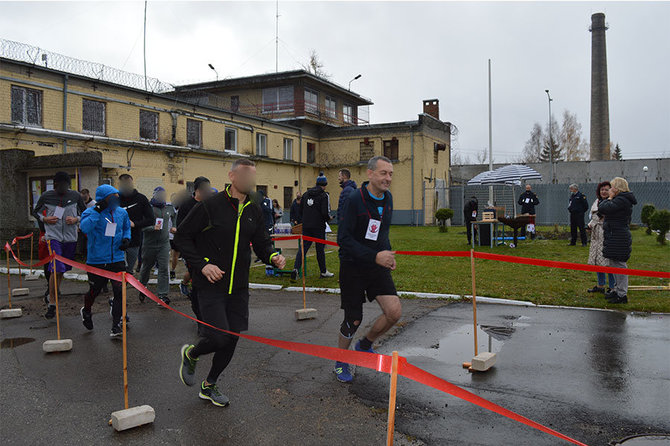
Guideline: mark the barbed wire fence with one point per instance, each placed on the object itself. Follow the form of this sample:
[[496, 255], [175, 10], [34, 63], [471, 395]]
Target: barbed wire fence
[[34, 55]]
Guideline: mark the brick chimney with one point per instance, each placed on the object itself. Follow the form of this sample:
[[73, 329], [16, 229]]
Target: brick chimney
[[432, 107]]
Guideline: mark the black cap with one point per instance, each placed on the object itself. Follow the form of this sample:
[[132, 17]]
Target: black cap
[[199, 181], [62, 177]]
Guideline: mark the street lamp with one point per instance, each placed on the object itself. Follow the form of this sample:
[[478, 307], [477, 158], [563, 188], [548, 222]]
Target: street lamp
[[214, 69], [357, 77], [551, 142]]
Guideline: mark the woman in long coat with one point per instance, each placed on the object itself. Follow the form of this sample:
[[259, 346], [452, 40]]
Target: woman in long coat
[[596, 248]]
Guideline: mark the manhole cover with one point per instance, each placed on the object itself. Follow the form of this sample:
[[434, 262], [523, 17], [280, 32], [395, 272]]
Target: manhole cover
[[642, 440]]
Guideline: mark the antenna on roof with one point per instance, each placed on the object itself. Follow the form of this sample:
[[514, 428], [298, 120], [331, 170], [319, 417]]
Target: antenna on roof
[[146, 87], [277, 37]]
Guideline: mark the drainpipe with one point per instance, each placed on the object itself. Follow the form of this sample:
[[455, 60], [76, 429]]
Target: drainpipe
[[65, 79], [299, 159], [412, 173]]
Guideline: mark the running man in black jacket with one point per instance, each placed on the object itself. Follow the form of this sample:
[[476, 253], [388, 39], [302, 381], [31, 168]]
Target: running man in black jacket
[[141, 216], [214, 239], [366, 260]]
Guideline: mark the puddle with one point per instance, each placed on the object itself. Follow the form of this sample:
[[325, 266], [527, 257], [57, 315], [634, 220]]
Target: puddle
[[15, 342], [458, 345], [646, 440]]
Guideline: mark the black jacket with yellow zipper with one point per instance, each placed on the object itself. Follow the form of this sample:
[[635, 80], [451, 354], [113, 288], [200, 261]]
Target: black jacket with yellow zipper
[[218, 231]]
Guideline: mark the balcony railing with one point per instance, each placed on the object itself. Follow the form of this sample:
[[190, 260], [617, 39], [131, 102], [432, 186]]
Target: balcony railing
[[309, 110]]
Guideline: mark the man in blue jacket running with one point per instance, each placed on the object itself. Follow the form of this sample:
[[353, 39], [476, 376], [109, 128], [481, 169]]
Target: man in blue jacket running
[[107, 228]]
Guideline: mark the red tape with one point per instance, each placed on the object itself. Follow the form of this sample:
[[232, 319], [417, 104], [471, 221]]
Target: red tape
[[21, 237], [44, 261]]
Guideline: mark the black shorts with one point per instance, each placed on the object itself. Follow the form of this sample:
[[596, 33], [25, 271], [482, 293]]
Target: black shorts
[[172, 246], [357, 283]]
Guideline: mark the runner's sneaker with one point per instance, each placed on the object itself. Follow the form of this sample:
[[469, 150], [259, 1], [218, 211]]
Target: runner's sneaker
[[184, 289], [359, 349], [46, 297], [342, 372], [187, 366], [327, 274], [51, 312], [166, 301], [212, 393], [86, 318], [294, 274], [142, 296], [172, 274], [116, 332]]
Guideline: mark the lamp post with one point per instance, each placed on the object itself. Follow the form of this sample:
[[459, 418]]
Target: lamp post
[[357, 77], [551, 139], [214, 69]]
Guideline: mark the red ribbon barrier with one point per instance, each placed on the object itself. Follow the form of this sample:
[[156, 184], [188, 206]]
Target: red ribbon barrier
[[44, 261], [515, 259], [21, 237]]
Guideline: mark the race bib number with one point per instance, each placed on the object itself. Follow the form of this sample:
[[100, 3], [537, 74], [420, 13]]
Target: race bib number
[[58, 212], [527, 200], [110, 229], [159, 223], [373, 229], [474, 214], [530, 228]]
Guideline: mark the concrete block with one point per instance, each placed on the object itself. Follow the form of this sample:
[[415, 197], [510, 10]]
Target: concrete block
[[32, 277], [57, 345], [10, 312], [20, 291], [483, 361], [305, 313], [133, 417]]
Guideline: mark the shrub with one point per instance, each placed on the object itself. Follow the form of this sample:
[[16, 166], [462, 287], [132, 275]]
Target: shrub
[[660, 221], [442, 215], [647, 210]]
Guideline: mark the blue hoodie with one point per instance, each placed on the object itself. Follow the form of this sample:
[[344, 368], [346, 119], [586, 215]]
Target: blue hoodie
[[103, 249]]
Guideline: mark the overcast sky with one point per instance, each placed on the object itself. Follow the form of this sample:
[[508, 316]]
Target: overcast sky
[[405, 51]]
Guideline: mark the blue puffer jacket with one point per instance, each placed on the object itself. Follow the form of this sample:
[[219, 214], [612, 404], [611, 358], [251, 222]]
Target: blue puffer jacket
[[101, 248]]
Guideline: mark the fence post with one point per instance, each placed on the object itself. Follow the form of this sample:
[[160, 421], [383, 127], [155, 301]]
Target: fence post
[[392, 395], [9, 284], [474, 295], [125, 350]]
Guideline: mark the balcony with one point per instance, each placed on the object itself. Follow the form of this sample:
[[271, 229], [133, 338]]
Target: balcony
[[299, 109]]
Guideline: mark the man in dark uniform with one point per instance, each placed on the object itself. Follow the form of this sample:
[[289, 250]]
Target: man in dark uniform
[[469, 215], [528, 200], [577, 206], [214, 239], [366, 261], [315, 210]]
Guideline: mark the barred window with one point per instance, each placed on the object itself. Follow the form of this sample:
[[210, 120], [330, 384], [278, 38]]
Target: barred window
[[278, 99], [148, 125], [194, 133], [26, 106], [93, 117]]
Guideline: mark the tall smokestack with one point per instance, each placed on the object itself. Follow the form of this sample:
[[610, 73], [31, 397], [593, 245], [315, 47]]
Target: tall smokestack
[[600, 118]]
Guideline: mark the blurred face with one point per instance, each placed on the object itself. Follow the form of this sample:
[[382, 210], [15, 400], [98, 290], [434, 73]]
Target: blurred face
[[341, 178], [161, 196], [204, 191], [573, 190], [113, 201], [528, 187], [298, 198], [613, 191], [85, 196], [61, 187], [604, 192], [243, 178], [126, 186], [381, 177]]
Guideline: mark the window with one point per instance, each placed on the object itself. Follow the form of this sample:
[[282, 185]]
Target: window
[[311, 101], [288, 197], [279, 99], [367, 150], [26, 106], [193, 133], [231, 140], [261, 144], [93, 117], [288, 149], [235, 103], [148, 125], [348, 113], [391, 149], [331, 108], [311, 152]]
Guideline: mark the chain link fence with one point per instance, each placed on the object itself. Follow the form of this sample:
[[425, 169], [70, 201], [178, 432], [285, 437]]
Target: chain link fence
[[553, 207]]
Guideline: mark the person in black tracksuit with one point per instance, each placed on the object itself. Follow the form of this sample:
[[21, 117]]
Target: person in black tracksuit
[[315, 209], [296, 215], [214, 239], [577, 206], [366, 260], [528, 200], [140, 213], [470, 211]]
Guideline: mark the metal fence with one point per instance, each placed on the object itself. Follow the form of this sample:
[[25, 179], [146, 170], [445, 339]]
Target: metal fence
[[553, 199], [435, 196]]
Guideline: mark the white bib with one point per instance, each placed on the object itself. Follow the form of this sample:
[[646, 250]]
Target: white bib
[[373, 229], [110, 229]]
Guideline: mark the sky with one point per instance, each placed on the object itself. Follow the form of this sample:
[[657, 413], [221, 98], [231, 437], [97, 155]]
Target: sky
[[405, 52]]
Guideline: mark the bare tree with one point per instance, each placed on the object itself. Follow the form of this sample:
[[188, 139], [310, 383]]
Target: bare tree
[[533, 148], [570, 138], [315, 65], [458, 159], [483, 155]]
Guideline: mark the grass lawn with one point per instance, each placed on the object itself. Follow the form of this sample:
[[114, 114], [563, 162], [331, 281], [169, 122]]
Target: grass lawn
[[540, 285]]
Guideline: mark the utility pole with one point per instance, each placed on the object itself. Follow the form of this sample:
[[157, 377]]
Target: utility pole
[[277, 37], [490, 136], [551, 140]]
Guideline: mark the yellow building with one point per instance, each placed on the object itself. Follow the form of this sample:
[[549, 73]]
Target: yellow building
[[293, 124]]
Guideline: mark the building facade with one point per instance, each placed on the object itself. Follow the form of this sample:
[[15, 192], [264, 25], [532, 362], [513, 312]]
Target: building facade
[[293, 124]]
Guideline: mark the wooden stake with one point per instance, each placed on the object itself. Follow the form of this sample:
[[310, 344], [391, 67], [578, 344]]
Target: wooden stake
[[474, 295], [31, 252], [9, 285], [55, 281], [304, 292], [392, 394], [125, 351], [18, 254]]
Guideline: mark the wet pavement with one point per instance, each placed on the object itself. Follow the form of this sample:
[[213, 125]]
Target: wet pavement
[[597, 376]]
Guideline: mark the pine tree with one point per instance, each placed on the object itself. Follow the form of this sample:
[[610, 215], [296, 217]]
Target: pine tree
[[616, 155]]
